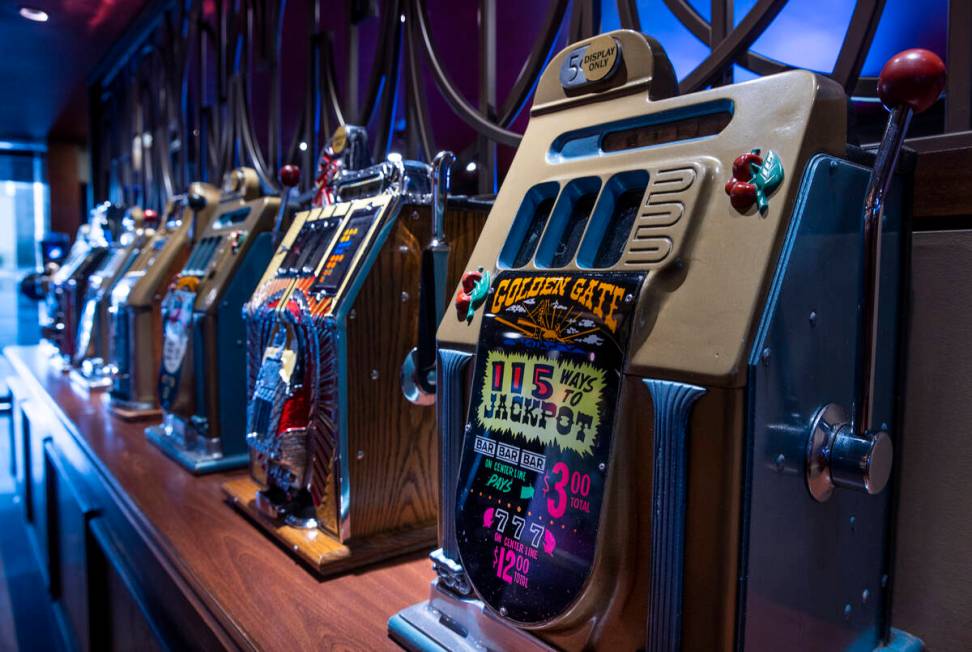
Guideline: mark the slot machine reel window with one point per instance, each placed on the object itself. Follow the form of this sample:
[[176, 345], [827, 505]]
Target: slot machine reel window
[[308, 248], [613, 219], [568, 222], [528, 225], [232, 218], [345, 249], [693, 123]]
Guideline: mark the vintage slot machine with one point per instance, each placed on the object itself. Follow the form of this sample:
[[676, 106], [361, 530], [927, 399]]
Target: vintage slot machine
[[69, 284], [341, 346], [201, 378], [666, 400], [91, 350], [135, 351]]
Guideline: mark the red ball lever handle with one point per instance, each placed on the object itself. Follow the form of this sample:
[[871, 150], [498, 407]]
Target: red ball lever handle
[[913, 78], [290, 175]]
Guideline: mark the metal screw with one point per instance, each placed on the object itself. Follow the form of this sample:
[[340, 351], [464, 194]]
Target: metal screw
[[468, 427], [766, 356], [629, 298], [359, 455], [848, 609], [374, 374], [780, 462], [403, 249], [415, 215], [352, 314], [502, 611], [813, 318], [601, 466], [864, 596], [404, 297], [833, 166]]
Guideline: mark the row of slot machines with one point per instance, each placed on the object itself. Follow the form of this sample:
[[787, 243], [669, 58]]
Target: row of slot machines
[[635, 401]]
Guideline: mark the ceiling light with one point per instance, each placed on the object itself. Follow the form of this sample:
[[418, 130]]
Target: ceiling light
[[36, 15]]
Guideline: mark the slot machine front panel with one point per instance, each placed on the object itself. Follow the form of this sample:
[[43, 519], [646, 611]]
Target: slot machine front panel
[[136, 324], [340, 458], [202, 373], [635, 366]]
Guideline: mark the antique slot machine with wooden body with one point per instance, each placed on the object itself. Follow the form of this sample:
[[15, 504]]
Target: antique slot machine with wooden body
[[69, 284], [91, 351], [135, 338], [645, 399], [340, 425], [201, 378]]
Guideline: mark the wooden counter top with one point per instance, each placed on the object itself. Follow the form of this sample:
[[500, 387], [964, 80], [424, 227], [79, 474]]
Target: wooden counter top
[[250, 591]]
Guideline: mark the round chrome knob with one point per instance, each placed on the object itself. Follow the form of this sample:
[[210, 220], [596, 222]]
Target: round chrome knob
[[836, 457], [861, 462]]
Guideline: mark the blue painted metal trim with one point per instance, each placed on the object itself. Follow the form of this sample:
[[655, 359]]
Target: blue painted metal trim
[[672, 407], [902, 641], [410, 637], [451, 422], [194, 463], [779, 276]]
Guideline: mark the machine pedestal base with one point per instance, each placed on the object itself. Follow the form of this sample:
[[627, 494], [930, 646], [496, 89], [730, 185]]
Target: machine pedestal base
[[324, 554], [129, 411], [446, 622], [195, 461], [92, 384]]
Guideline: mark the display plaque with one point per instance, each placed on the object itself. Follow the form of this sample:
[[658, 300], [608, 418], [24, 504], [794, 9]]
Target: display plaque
[[537, 444]]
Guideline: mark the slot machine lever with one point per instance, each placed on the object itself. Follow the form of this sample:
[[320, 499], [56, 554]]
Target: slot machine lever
[[857, 454], [418, 370], [289, 178], [196, 202]]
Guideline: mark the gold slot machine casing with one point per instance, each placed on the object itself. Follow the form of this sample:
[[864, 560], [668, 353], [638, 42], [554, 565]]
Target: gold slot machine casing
[[708, 269], [201, 378], [136, 315]]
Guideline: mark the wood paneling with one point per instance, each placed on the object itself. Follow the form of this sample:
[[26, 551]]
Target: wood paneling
[[204, 577], [932, 570]]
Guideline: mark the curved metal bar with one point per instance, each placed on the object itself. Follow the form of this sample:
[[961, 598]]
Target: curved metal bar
[[244, 126], [700, 29], [737, 41], [333, 96], [455, 100], [389, 99], [628, 14], [375, 83], [537, 60], [857, 42], [418, 109]]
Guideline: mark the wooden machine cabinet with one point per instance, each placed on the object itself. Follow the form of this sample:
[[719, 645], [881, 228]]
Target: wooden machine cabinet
[[342, 462], [136, 314], [201, 377], [669, 384]]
